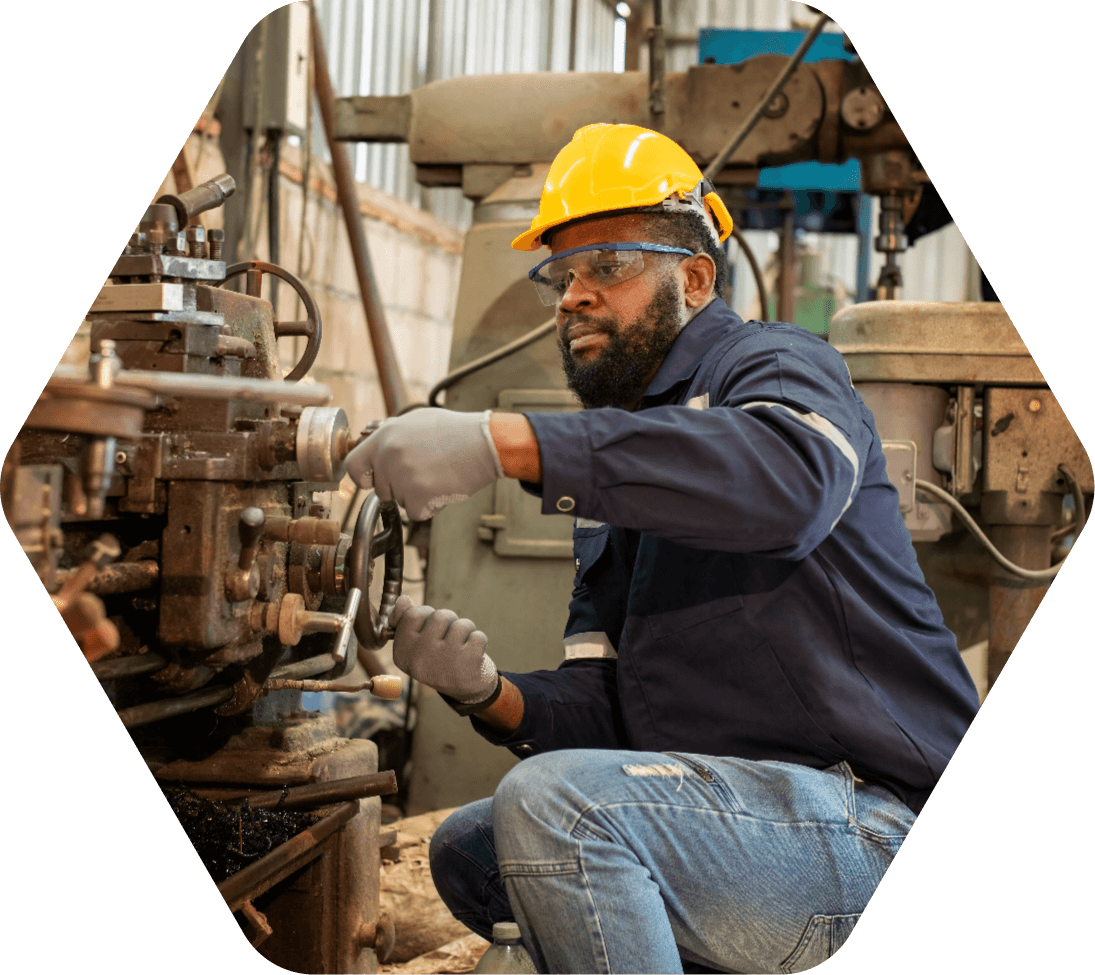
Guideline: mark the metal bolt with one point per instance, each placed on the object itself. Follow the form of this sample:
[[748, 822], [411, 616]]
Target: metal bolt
[[777, 106], [121, 457], [103, 365], [176, 244], [216, 243], [138, 241], [1035, 405], [196, 236]]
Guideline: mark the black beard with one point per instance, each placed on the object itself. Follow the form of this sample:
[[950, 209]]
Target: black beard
[[618, 375]]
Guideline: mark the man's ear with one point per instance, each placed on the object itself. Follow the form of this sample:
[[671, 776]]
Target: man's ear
[[699, 280]]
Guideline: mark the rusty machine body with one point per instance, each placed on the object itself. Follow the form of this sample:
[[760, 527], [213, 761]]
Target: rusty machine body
[[943, 380], [174, 499]]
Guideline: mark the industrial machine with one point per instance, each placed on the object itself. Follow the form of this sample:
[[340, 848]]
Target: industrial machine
[[174, 498], [967, 418]]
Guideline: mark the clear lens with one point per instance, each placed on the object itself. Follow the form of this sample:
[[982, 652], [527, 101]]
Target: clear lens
[[596, 269]]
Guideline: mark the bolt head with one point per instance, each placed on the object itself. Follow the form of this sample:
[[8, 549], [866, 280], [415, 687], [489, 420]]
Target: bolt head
[[1035, 405], [196, 234]]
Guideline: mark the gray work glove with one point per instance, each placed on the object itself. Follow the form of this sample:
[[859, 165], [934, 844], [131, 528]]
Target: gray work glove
[[427, 459], [443, 652]]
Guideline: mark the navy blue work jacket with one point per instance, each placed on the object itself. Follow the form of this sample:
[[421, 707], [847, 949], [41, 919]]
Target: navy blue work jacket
[[745, 584]]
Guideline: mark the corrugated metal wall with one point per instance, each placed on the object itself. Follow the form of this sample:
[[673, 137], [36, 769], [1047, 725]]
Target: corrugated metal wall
[[386, 47]]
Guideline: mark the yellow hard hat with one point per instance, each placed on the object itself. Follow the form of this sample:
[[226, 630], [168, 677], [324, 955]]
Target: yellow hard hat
[[607, 168]]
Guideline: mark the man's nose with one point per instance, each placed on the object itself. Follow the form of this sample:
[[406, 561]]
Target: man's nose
[[577, 295]]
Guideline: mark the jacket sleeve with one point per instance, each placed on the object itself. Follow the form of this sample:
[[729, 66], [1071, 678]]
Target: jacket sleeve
[[767, 464], [574, 706]]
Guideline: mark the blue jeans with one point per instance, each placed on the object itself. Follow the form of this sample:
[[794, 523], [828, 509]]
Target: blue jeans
[[619, 861]]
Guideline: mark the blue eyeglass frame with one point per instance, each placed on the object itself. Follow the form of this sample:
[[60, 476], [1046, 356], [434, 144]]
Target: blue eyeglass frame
[[625, 246]]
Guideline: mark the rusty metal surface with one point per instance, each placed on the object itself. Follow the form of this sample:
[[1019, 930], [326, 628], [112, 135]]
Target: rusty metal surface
[[1026, 436], [260, 876], [932, 342], [185, 460]]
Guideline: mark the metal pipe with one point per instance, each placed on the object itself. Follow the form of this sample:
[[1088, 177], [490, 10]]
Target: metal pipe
[[656, 93], [273, 211], [785, 310], [207, 697], [249, 881], [716, 164], [1012, 601], [387, 366]]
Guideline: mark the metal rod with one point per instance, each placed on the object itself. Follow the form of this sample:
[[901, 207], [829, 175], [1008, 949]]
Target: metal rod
[[142, 714], [387, 366], [716, 164], [785, 310], [1012, 601], [118, 577], [187, 384], [301, 669], [314, 794], [300, 849], [133, 666]]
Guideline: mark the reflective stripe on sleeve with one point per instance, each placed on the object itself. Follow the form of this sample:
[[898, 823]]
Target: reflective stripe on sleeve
[[594, 644], [831, 433]]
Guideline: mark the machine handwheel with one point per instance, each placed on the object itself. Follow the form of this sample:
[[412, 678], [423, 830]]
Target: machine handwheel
[[372, 629], [311, 327]]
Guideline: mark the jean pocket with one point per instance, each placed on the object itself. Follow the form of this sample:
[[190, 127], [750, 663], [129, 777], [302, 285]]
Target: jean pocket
[[823, 936]]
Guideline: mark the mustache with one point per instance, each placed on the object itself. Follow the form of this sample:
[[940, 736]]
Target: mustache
[[609, 326]]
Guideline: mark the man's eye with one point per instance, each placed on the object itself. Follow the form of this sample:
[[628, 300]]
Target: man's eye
[[607, 271]]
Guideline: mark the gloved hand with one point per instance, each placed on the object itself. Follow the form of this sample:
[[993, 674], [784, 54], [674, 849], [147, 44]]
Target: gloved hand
[[427, 459], [443, 652]]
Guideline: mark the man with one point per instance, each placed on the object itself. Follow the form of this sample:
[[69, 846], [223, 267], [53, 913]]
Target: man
[[759, 692]]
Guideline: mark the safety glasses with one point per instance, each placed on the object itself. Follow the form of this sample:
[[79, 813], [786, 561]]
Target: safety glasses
[[597, 266]]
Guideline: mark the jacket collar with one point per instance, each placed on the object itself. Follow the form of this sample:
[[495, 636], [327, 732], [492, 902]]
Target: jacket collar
[[694, 340]]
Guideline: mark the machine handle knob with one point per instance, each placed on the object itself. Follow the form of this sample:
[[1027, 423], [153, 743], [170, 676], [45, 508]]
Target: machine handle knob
[[252, 525]]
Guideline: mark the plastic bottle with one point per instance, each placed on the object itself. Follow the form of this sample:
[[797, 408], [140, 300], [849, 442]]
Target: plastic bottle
[[507, 954]]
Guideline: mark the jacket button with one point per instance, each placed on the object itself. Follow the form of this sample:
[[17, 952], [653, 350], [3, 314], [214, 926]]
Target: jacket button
[[577, 564], [565, 503]]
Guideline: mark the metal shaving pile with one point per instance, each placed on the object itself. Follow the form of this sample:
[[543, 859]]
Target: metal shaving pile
[[229, 837]]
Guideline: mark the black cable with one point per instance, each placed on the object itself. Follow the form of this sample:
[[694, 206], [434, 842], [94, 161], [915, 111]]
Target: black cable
[[758, 275], [716, 164]]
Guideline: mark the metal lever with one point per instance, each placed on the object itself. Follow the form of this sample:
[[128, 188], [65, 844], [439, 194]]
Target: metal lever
[[83, 612], [244, 582], [205, 196], [294, 621]]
